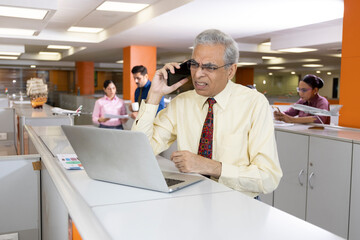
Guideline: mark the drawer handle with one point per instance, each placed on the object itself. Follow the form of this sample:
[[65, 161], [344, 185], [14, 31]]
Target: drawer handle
[[310, 177], [299, 177]]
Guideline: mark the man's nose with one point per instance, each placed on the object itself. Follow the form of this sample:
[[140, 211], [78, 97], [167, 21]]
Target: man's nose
[[199, 72]]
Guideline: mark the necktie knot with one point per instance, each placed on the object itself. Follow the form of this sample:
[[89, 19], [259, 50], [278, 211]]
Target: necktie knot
[[211, 101]]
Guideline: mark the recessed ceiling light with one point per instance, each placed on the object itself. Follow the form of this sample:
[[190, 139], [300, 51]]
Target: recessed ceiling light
[[85, 29], [16, 31], [33, 66], [10, 53], [298, 50], [268, 57], [9, 57], [276, 67], [23, 12], [246, 63], [328, 73], [270, 74], [121, 6], [264, 81], [312, 65], [58, 47], [318, 71], [293, 73], [120, 61]]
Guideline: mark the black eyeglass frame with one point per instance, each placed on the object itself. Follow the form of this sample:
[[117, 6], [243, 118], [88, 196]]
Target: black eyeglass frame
[[209, 67]]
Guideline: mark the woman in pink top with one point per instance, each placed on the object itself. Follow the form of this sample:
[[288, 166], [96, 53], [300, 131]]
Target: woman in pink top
[[109, 104], [309, 95]]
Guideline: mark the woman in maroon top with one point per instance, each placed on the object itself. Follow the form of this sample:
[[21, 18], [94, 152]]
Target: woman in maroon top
[[309, 95]]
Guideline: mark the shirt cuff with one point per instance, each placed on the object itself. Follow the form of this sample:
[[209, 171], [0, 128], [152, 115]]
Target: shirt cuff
[[147, 113]]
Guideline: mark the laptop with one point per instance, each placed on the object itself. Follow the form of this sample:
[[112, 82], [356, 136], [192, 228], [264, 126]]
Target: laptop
[[123, 157]]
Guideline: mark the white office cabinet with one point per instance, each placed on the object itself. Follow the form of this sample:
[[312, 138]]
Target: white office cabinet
[[20, 197], [354, 229], [329, 184], [290, 196]]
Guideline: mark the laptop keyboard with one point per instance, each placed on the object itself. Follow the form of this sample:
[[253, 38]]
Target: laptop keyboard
[[170, 182]]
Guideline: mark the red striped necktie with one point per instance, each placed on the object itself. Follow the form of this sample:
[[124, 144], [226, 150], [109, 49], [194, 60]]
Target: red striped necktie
[[206, 139]]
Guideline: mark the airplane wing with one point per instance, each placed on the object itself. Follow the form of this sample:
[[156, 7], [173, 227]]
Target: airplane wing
[[312, 110]]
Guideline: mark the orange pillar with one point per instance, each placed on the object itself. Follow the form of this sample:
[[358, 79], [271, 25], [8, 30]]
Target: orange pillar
[[132, 56], [85, 78], [350, 62], [245, 76]]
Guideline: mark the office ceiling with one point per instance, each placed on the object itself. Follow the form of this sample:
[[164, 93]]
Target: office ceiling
[[171, 26]]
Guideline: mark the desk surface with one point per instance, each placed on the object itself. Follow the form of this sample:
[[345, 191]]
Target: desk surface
[[206, 210], [331, 132]]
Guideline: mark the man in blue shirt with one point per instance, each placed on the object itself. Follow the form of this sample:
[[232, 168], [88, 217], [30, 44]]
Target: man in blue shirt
[[141, 78]]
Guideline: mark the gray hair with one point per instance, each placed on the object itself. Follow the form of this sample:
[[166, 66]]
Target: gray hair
[[214, 36]]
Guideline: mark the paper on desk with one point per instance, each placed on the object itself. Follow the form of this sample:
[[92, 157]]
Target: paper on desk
[[115, 116], [70, 161], [282, 124]]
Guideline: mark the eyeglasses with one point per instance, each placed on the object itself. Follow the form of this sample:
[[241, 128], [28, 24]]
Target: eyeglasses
[[208, 67], [303, 90]]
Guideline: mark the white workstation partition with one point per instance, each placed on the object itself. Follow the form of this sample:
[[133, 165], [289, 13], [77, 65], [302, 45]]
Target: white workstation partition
[[206, 210]]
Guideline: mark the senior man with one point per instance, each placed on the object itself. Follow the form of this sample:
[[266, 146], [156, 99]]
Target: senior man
[[223, 130]]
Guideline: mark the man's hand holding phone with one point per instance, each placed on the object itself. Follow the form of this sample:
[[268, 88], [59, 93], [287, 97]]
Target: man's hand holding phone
[[159, 84]]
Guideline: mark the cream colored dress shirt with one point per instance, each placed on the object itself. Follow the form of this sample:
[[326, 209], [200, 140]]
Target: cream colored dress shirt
[[243, 138]]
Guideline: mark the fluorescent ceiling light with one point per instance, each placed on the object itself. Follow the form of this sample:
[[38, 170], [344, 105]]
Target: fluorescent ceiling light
[[49, 53], [121, 6], [298, 50], [10, 53], [312, 65], [311, 60], [58, 47], [268, 57], [120, 61], [33, 66], [9, 57], [16, 31], [85, 29], [23, 12], [276, 67], [246, 63], [336, 55], [266, 43]]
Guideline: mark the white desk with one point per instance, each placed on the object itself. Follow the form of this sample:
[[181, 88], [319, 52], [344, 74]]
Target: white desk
[[206, 210]]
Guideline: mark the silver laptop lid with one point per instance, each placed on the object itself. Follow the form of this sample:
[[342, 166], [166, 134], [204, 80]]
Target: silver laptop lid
[[117, 156]]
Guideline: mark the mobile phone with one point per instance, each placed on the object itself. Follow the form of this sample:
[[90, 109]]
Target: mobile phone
[[181, 73]]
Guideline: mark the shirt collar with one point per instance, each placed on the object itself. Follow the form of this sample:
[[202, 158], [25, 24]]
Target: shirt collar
[[108, 99], [147, 84], [221, 98]]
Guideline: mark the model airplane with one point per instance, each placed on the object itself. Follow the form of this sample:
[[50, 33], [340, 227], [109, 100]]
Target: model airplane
[[317, 111], [60, 111]]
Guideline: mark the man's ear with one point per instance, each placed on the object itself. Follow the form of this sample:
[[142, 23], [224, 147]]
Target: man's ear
[[232, 71]]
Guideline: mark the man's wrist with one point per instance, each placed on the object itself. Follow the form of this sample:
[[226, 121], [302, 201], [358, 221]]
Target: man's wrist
[[153, 98]]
